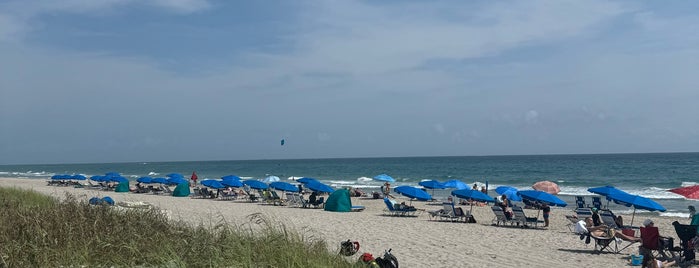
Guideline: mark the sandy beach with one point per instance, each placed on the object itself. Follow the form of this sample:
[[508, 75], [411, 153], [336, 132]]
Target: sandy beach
[[416, 241]]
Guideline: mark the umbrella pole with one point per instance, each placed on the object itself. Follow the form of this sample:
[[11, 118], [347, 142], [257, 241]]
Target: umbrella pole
[[633, 215]]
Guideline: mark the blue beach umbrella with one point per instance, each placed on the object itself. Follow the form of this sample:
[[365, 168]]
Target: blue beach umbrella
[[255, 184], [213, 184], [319, 187], [159, 180], [509, 191], [413, 193], [119, 179], [626, 199], [145, 179], [431, 184], [97, 178], [174, 175], [232, 183], [78, 177], [176, 180], [609, 192], [456, 184], [60, 177], [384, 177], [284, 186], [231, 177], [542, 197], [473, 195], [306, 180]]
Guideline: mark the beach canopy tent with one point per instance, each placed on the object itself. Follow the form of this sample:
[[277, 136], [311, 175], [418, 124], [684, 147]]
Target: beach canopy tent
[[413, 193], [122, 187], [306, 180], [509, 191], [284, 186], [182, 190], [339, 201], [384, 177], [690, 192], [547, 186], [456, 184]]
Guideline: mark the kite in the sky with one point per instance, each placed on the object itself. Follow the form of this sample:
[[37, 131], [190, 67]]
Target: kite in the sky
[[282, 142]]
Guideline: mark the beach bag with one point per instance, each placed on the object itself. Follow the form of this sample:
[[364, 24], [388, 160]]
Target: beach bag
[[349, 248], [387, 261]]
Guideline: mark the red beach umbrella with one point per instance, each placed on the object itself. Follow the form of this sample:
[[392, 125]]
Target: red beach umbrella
[[691, 192], [547, 186]]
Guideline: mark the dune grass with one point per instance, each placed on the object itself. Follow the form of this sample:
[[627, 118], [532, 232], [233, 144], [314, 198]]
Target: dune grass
[[40, 231]]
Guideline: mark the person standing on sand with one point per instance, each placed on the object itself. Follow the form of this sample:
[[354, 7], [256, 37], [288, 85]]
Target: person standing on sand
[[387, 188], [547, 212]]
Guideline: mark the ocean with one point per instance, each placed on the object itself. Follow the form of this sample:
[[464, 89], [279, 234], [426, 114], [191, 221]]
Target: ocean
[[648, 175]]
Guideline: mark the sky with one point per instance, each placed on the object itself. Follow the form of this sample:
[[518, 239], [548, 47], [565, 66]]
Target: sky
[[94, 81]]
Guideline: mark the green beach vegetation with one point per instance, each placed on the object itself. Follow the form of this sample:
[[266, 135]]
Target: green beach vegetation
[[40, 231]]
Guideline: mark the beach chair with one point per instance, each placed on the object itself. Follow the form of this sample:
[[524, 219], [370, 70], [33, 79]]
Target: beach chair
[[453, 213], [580, 202], [438, 214], [391, 209], [597, 202], [572, 220], [583, 213], [686, 233], [608, 218], [651, 244], [520, 217], [292, 199], [500, 216]]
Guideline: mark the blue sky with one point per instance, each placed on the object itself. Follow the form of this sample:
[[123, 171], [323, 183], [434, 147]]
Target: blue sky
[[166, 80]]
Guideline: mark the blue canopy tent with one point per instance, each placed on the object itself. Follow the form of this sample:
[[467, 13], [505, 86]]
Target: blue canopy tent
[[319, 187], [283, 186], [413, 193], [626, 199], [255, 184]]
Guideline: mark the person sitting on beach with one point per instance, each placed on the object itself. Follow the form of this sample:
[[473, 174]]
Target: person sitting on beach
[[586, 226], [596, 219], [313, 198], [403, 206]]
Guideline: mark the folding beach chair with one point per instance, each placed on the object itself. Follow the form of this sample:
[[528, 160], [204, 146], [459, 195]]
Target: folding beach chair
[[580, 202], [500, 216], [686, 233], [651, 244], [522, 218], [597, 202], [391, 209]]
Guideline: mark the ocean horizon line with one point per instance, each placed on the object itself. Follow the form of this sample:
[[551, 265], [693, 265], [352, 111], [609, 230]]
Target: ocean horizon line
[[356, 158]]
